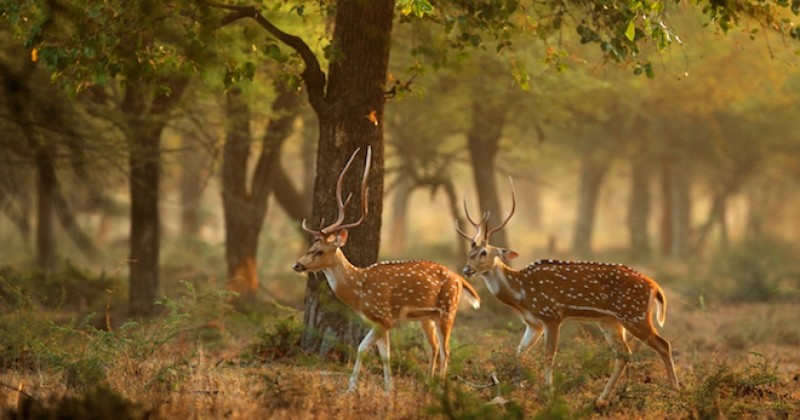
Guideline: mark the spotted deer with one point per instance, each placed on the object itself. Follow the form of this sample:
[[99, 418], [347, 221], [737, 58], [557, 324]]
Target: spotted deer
[[386, 293], [547, 292]]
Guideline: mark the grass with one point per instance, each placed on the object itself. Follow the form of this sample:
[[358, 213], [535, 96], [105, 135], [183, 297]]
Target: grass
[[202, 359]]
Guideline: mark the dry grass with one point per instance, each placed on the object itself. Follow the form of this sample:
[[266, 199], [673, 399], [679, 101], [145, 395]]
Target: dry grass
[[735, 361]]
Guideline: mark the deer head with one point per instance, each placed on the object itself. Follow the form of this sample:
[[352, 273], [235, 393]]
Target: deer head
[[482, 256], [329, 239]]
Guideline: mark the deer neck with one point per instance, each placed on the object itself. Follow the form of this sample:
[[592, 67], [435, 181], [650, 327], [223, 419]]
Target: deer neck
[[502, 282], [345, 279]]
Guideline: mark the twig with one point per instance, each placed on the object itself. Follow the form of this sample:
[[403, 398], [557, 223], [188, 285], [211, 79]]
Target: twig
[[18, 389], [493, 377]]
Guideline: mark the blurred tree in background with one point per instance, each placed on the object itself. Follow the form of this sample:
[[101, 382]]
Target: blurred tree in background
[[129, 74]]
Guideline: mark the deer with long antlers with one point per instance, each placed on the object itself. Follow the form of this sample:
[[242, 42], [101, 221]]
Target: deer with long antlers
[[386, 293], [547, 292]]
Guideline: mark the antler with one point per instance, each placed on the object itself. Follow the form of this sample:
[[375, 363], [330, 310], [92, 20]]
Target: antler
[[341, 205], [489, 232], [475, 224]]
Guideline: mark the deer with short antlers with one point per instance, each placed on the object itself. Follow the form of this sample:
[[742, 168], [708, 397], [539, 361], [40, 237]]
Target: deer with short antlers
[[547, 292], [386, 293]]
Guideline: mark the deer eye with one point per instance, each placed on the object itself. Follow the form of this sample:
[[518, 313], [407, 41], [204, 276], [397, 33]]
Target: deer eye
[[483, 253], [318, 253]]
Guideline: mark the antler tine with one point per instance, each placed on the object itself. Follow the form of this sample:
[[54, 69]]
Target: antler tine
[[339, 203], [364, 193], [337, 225], [463, 234], [466, 211], [489, 232]]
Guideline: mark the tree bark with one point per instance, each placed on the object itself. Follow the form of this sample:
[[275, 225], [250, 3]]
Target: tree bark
[[146, 119], [483, 141], [245, 208], [593, 170], [639, 207], [353, 118]]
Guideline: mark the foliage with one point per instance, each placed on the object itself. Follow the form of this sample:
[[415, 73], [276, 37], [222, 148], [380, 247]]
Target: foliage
[[71, 287], [719, 385], [453, 401], [759, 270], [278, 340]]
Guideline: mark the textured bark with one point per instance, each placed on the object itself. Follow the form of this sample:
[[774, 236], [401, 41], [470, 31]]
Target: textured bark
[[639, 207], [483, 141], [245, 207], [593, 170], [146, 118], [362, 34]]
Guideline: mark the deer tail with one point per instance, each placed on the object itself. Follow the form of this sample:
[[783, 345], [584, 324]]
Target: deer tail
[[472, 295]]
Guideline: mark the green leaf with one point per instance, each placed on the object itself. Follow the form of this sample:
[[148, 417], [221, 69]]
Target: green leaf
[[630, 33], [418, 8]]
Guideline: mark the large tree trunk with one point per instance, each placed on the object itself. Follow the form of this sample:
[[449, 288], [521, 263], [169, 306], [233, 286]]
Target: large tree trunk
[[593, 170], [483, 141], [639, 207], [355, 92], [245, 208]]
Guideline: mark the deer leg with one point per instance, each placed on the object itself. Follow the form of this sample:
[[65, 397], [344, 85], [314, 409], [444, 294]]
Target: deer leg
[[551, 332], [533, 332], [650, 337], [384, 350], [366, 344], [443, 328], [429, 329], [614, 333]]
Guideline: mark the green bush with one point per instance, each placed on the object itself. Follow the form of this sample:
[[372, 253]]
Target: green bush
[[69, 288], [277, 341], [757, 270]]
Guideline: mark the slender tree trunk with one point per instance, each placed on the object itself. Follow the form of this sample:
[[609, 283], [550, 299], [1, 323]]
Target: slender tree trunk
[[639, 207], [593, 170], [355, 92], [400, 216], [191, 187], [675, 223], [146, 119], [483, 141], [245, 208], [45, 188], [295, 203]]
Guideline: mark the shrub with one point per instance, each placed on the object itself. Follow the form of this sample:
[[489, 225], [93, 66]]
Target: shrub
[[98, 402], [759, 270]]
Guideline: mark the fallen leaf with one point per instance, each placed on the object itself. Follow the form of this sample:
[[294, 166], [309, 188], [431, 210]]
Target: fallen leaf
[[499, 400], [373, 117], [34, 55]]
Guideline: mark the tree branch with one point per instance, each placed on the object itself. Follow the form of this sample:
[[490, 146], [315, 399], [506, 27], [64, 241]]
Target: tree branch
[[312, 75]]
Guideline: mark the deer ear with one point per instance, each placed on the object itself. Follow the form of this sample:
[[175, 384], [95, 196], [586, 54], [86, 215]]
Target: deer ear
[[341, 239], [509, 254]]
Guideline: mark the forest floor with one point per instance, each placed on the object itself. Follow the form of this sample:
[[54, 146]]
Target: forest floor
[[201, 359]]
